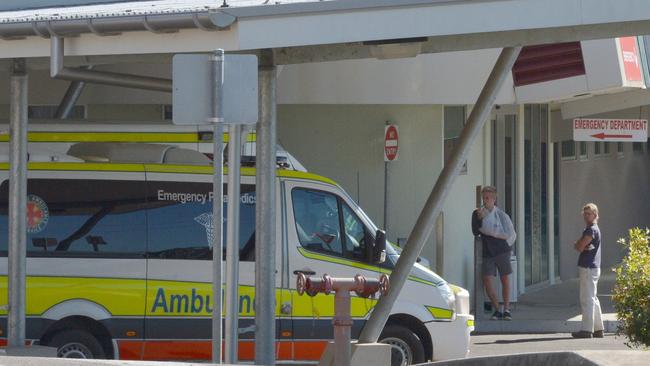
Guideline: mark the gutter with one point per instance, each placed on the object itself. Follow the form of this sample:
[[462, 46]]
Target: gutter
[[168, 23]]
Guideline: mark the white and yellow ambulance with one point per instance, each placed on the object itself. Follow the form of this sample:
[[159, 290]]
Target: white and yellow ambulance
[[119, 255]]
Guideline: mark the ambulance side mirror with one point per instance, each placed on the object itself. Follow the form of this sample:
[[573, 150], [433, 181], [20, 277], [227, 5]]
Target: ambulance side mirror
[[379, 247]]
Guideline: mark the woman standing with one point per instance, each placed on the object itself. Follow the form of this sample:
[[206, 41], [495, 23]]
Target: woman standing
[[589, 247]]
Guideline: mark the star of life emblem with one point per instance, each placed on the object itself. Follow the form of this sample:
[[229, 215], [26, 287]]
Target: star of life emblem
[[37, 214], [205, 219]]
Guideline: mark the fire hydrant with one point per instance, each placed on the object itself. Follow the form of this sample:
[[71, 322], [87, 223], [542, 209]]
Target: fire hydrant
[[342, 287]]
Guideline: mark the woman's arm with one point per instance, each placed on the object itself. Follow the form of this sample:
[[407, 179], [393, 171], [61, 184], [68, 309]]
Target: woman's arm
[[582, 243]]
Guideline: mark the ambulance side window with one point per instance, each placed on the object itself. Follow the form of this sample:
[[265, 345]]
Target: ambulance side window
[[180, 221], [355, 234], [316, 216], [85, 218]]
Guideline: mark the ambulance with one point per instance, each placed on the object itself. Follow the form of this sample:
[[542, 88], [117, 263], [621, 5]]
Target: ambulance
[[119, 233]]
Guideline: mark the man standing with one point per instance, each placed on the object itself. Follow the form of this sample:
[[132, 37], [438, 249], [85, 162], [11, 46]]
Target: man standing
[[497, 236]]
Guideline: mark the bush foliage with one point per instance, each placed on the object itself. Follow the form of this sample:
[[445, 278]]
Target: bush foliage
[[632, 291]]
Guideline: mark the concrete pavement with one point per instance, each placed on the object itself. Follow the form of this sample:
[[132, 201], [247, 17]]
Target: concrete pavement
[[552, 309]]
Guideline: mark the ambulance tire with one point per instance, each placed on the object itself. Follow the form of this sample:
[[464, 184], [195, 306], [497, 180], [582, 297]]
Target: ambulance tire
[[76, 343], [405, 345]]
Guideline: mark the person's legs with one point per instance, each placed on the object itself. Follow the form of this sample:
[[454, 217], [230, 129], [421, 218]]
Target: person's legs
[[505, 289], [487, 282], [598, 316], [587, 291]]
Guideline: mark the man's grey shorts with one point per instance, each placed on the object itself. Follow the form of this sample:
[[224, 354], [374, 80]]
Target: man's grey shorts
[[500, 262]]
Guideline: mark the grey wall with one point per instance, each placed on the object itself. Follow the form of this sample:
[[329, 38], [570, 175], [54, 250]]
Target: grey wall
[[619, 185]]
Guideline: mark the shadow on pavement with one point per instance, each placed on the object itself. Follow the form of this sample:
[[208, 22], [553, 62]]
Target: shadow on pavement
[[525, 340]]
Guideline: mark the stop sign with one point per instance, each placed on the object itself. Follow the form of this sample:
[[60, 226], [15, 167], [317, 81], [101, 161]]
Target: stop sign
[[391, 137]]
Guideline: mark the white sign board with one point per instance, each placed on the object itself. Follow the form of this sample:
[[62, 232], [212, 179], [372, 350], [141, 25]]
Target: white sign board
[[621, 130], [391, 143], [193, 85]]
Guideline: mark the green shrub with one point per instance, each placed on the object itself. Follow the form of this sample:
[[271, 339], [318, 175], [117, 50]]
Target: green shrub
[[632, 291]]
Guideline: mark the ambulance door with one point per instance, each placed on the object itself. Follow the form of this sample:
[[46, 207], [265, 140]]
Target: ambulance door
[[325, 236], [179, 289]]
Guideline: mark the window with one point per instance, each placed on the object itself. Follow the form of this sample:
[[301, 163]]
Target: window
[[49, 112], [568, 150], [597, 148], [606, 147], [180, 222], [453, 126], [637, 147], [321, 217], [583, 150], [355, 234], [167, 112], [82, 218], [619, 149]]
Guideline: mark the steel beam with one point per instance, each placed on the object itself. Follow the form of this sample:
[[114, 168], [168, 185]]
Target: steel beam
[[426, 221], [265, 218], [71, 97], [17, 204]]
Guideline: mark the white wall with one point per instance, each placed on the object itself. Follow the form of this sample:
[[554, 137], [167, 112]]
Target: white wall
[[443, 78]]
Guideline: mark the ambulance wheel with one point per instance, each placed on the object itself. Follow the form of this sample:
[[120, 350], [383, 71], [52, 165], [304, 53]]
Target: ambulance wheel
[[76, 344], [406, 348]]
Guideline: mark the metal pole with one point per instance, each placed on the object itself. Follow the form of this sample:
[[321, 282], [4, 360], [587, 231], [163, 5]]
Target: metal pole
[[265, 245], [217, 204], [71, 97], [342, 326], [521, 196], [550, 195], [232, 251], [386, 196], [17, 204], [58, 71], [426, 220]]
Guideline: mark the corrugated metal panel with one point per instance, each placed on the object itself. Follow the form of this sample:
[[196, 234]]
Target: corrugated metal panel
[[548, 62], [9, 5]]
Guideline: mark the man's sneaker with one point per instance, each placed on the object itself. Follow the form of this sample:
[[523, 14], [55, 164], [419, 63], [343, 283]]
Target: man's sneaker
[[581, 334], [507, 315], [496, 315], [599, 334]]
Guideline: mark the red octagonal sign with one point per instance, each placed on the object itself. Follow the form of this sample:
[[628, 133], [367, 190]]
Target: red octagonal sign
[[391, 148]]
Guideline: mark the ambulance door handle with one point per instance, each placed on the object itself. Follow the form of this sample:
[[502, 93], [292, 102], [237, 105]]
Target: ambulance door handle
[[286, 308], [306, 272]]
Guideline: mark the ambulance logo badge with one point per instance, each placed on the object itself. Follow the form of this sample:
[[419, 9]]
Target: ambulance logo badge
[[37, 214], [205, 219]]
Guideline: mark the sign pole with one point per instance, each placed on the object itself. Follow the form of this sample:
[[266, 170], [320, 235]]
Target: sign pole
[[217, 203], [232, 243]]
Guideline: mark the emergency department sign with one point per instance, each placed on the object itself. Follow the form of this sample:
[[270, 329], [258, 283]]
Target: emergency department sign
[[391, 143], [618, 130]]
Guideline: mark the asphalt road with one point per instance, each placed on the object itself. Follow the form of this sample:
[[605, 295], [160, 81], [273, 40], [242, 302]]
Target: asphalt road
[[500, 344]]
